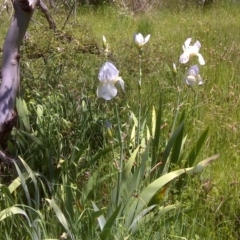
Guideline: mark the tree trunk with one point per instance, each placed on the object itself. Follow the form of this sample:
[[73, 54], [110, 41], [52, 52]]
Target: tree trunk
[[23, 10]]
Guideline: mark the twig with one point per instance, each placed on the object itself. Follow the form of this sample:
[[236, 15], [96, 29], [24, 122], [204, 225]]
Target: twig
[[68, 16]]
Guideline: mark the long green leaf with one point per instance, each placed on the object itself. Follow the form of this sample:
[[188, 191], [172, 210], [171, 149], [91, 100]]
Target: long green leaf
[[60, 215], [148, 192], [134, 182], [68, 198], [195, 151], [32, 137], [125, 179], [101, 219], [157, 133], [98, 214], [141, 218], [203, 164], [24, 185], [102, 153], [146, 216], [34, 180], [5, 193], [23, 113], [162, 210], [92, 181], [165, 163], [195, 170], [109, 224], [178, 143], [17, 182], [77, 153], [154, 119], [8, 212], [128, 167]]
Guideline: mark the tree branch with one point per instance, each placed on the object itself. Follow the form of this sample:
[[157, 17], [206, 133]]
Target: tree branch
[[44, 9]]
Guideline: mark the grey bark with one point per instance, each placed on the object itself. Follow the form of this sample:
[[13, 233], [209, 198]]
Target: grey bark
[[23, 10]]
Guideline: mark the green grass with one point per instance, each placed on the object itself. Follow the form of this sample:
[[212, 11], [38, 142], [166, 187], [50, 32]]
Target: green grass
[[64, 138]]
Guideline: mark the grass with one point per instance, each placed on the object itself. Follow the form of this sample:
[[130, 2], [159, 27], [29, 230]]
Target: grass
[[72, 161]]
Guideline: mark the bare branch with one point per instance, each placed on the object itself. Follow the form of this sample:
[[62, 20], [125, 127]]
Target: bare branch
[[52, 4], [72, 8], [44, 9]]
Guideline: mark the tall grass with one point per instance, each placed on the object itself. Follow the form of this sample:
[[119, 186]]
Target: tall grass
[[67, 183]]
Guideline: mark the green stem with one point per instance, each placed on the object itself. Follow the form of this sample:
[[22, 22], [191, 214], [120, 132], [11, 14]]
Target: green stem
[[139, 95], [177, 109], [120, 166]]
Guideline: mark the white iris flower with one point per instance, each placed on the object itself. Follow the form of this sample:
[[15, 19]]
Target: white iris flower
[[189, 51], [140, 40], [108, 76], [192, 78]]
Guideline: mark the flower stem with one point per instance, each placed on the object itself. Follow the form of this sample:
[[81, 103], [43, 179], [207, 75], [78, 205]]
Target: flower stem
[[120, 165], [177, 109], [139, 95]]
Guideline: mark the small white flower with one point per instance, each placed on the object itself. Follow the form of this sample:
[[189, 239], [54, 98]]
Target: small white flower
[[189, 51], [104, 42], [108, 76], [192, 78], [140, 40], [105, 45]]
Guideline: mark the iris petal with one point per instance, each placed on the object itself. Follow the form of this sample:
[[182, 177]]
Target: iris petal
[[139, 39], [147, 38], [201, 59], [107, 90], [121, 82], [108, 72], [191, 80], [187, 42], [197, 44], [193, 70], [184, 58]]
